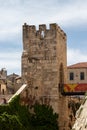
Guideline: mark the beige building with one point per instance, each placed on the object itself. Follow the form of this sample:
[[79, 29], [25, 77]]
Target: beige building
[[9, 84], [77, 78], [77, 73], [14, 82], [44, 66]]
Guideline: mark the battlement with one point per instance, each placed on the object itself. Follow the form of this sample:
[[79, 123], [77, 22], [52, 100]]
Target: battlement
[[27, 27], [32, 28], [52, 26], [43, 28], [61, 32]]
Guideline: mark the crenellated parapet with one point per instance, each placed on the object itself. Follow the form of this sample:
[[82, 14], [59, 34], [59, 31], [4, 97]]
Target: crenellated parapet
[[42, 31]]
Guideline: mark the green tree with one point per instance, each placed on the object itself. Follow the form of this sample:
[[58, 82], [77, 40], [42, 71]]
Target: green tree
[[9, 122], [44, 118], [14, 116]]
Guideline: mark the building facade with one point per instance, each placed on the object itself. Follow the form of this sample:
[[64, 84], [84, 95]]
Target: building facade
[[77, 73], [44, 66], [9, 84], [77, 78]]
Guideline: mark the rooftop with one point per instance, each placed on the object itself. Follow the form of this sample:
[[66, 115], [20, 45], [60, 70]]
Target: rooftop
[[78, 65]]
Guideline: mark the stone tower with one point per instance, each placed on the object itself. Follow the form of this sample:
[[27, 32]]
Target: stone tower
[[44, 65]]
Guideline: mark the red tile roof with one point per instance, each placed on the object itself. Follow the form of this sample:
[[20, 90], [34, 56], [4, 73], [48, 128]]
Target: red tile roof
[[78, 65]]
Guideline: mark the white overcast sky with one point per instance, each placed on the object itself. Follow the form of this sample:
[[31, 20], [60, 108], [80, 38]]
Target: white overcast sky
[[70, 15]]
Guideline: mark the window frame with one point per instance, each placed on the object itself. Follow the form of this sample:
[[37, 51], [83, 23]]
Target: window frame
[[71, 76], [82, 75]]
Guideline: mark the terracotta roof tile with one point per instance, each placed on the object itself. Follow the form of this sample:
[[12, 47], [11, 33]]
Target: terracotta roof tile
[[78, 65]]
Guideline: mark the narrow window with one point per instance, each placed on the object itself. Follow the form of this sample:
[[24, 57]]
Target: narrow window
[[42, 34], [82, 76], [71, 77], [3, 92]]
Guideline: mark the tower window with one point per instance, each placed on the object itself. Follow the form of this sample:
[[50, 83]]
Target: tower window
[[82, 76], [71, 76], [3, 91], [42, 34]]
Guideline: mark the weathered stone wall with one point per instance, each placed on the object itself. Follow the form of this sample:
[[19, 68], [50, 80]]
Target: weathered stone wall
[[44, 66]]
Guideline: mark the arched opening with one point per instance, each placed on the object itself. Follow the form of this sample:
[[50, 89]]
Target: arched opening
[[61, 78]]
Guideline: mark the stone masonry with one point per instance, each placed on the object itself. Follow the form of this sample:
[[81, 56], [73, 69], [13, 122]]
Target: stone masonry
[[44, 66]]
